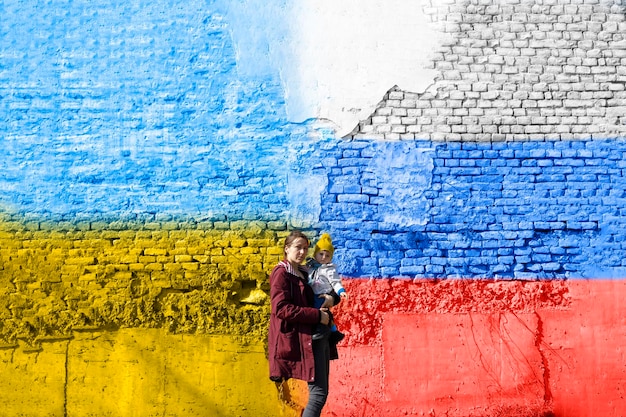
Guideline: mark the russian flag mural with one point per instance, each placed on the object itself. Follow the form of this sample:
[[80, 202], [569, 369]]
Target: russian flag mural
[[467, 158]]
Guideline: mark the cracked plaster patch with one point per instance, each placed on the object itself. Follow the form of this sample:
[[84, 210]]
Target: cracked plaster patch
[[335, 59], [348, 54]]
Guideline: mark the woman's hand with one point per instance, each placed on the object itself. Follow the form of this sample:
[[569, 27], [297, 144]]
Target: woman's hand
[[328, 300], [324, 316]]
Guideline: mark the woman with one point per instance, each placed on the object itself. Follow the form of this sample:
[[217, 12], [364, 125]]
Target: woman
[[292, 351]]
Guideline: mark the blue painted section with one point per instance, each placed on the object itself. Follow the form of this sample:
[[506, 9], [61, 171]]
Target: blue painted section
[[117, 108], [520, 210]]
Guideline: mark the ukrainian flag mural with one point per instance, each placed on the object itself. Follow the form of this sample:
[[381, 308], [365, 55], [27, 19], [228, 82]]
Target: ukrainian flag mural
[[466, 157]]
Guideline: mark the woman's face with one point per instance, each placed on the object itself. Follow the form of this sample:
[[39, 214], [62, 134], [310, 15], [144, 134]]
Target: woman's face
[[296, 252]]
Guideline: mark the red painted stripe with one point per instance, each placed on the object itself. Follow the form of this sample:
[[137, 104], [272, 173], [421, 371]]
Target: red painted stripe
[[481, 347]]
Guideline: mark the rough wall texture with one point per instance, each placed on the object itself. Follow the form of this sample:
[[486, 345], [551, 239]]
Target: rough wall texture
[[141, 372], [524, 210], [183, 280], [467, 209], [148, 180], [511, 353]]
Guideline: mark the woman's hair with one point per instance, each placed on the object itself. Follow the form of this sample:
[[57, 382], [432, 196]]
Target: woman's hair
[[295, 234]]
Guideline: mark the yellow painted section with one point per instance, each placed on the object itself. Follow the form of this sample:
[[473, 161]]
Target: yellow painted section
[[185, 280], [161, 319], [32, 383], [140, 372]]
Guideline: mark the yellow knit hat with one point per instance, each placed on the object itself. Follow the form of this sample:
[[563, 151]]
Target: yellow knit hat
[[325, 243]]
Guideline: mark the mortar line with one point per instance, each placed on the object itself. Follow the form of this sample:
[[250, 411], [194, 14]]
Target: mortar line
[[67, 373]]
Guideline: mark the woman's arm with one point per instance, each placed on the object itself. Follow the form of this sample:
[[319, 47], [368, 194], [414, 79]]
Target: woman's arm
[[285, 305], [331, 299]]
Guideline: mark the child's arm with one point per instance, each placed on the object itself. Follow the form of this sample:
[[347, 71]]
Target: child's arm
[[335, 282]]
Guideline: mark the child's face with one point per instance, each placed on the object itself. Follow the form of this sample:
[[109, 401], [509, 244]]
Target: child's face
[[323, 257]]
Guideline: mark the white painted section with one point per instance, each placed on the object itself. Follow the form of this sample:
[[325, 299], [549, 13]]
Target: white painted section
[[349, 53], [336, 58]]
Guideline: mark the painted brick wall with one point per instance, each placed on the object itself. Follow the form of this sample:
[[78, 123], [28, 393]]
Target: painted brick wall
[[120, 112], [187, 281], [535, 209], [486, 210], [516, 70], [148, 179]]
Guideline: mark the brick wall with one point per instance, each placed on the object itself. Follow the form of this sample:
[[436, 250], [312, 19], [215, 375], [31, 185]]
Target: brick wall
[[533, 209], [515, 70], [522, 210], [148, 183], [188, 280]]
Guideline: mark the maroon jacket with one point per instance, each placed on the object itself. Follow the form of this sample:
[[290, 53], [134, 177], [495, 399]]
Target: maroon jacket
[[292, 322]]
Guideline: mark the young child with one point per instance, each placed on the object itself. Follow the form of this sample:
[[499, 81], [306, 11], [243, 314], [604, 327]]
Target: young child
[[324, 278]]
